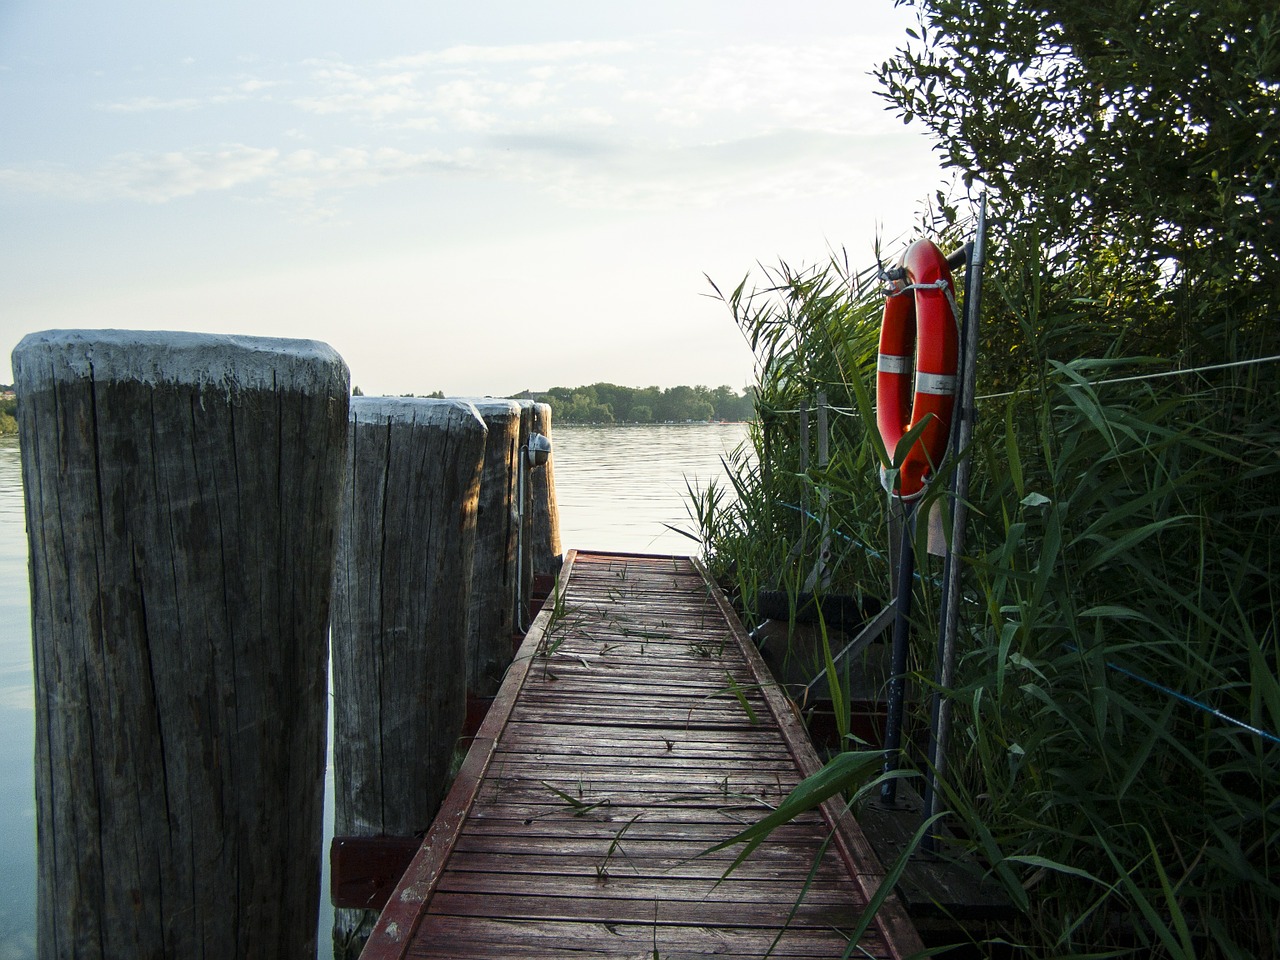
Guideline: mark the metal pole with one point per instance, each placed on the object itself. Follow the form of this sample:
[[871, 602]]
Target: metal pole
[[945, 646], [822, 571], [901, 640], [959, 512], [804, 489]]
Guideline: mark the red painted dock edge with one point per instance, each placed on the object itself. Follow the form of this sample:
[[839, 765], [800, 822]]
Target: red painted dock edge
[[489, 909]]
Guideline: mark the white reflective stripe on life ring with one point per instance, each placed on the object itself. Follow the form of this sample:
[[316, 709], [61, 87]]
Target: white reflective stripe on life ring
[[937, 384], [892, 363]]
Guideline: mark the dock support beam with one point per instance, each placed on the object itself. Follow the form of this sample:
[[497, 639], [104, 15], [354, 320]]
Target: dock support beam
[[401, 594]]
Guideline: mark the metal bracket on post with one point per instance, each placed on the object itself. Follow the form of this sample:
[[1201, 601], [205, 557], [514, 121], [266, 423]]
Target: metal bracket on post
[[871, 632]]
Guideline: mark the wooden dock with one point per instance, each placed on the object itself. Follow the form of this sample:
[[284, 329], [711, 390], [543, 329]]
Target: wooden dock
[[636, 728]]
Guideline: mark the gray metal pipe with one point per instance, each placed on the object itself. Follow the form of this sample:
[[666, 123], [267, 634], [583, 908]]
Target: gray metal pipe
[[950, 612]]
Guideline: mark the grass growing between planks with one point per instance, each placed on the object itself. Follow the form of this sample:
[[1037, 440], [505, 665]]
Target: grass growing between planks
[[1114, 761]]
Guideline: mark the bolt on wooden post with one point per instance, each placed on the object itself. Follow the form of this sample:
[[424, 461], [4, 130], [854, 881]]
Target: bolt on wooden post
[[402, 586], [181, 503]]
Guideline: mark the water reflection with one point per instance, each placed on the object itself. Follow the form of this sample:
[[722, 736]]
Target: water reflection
[[17, 722]]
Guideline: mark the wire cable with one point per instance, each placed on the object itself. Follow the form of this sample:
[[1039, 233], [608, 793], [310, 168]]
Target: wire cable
[[1257, 361], [1190, 701]]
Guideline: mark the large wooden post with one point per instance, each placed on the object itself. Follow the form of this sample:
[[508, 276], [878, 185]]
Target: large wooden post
[[402, 586], [494, 575], [545, 548], [181, 498]]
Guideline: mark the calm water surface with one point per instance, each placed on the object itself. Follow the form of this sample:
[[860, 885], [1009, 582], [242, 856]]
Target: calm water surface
[[616, 488], [17, 722]]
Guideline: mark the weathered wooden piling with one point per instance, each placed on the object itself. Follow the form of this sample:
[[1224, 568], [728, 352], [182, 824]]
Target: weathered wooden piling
[[495, 575], [545, 548], [181, 499], [402, 586]]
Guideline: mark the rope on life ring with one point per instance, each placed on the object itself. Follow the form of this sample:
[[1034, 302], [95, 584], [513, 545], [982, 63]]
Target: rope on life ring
[[918, 333]]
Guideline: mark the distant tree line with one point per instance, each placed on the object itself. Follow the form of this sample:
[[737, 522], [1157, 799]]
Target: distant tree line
[[433, 395], [610, 403], [597, 403], [8, 412]]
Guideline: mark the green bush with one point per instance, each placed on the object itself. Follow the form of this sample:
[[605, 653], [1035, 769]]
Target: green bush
[[8, 417], [1123, 532], [1117, 696]]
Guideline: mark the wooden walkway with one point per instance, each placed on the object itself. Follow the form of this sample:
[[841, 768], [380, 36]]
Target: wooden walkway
[[617, 750]]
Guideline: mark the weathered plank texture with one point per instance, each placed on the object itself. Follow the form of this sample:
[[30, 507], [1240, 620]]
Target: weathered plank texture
[[494, 576], [181, 496], [635, 730], [399, 626]]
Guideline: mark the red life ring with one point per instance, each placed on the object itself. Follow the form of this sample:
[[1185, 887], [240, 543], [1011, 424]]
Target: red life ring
[[932, 351]]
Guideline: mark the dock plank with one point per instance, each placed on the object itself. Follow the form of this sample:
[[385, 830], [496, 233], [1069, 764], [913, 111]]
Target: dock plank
[[635, 729]]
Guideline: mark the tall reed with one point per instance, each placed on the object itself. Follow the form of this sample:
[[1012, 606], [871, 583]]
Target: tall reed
[[1121, 565]]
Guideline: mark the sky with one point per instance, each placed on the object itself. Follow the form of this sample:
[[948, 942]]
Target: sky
[[476, 197]]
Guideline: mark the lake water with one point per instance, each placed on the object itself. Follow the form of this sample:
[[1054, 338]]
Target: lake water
[[616, 488]]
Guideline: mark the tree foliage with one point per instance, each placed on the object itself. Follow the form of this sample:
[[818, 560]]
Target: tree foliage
[[8, 416], [1139, 138], [1102, 111], [611, 403], [1118, 694]]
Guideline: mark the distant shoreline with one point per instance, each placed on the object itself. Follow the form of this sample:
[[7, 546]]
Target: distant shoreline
[[652, 423]]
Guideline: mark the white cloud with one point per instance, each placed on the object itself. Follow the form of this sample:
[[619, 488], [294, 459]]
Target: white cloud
[[590, 170], [149, 178], [239, 91], [820, 86], [784, 166], [376, 105], [148, 104], [525, 95], [461, 95], [651, 123], [52, 180], [659, 86], [309, 183], [583, 117], [514, 53], [167, 176], [471, 88], [347, 89], [254, 85]]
